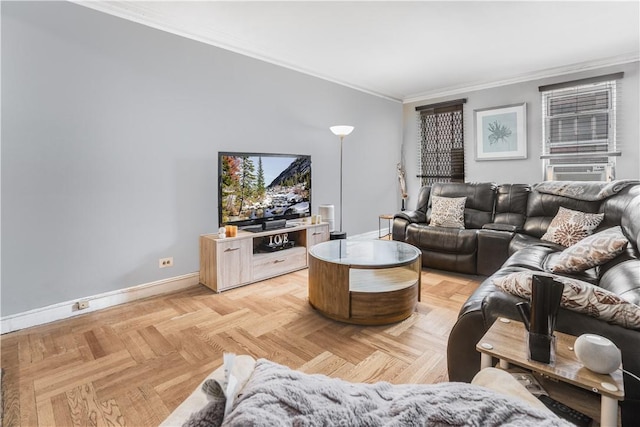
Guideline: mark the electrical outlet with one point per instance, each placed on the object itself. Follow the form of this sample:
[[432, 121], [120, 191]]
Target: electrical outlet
[[165, 262], [82, 305]]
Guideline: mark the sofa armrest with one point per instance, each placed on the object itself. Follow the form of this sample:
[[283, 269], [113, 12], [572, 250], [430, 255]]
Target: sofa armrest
[[501, 227], [402, 220], [476, 316], [493, 249], [412, 217]]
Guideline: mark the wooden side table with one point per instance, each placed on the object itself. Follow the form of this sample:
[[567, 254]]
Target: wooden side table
[[389, 218], [506, 340]]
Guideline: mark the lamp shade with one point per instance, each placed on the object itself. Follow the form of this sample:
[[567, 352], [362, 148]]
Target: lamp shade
[[341, 130]]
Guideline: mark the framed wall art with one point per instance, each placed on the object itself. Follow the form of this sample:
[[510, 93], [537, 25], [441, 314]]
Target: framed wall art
[[501, 132]]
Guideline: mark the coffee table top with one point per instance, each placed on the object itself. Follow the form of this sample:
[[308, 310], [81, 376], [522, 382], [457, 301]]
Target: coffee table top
[[366, 253]]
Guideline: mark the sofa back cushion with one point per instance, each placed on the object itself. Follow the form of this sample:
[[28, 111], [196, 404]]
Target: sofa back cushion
[[542, 208], [480, 200], [511, 204]]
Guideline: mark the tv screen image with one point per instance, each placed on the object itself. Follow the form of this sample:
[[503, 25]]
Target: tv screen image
[[258, 187]]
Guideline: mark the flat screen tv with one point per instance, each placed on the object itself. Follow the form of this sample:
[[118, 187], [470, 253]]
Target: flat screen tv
[[254, 188]]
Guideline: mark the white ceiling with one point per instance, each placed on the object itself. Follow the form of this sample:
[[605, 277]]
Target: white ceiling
[[407, 50]]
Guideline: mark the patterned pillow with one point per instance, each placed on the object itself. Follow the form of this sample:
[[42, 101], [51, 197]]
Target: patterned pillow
[[569, 227], [447, 211], [590, 251], [578, 296]]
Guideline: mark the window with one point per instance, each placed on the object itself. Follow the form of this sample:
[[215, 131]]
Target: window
[[579, 129], [441, 142]]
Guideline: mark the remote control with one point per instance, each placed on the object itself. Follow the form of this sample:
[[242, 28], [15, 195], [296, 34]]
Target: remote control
[[564, 412]]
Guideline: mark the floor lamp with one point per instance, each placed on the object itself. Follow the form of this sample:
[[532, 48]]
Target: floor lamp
[[340, 131]]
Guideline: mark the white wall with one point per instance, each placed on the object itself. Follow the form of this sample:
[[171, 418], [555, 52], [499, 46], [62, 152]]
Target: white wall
[[110, 134], [528, 170]]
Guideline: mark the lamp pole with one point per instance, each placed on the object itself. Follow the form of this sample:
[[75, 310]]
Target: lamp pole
[[341, 131], [341, 139]]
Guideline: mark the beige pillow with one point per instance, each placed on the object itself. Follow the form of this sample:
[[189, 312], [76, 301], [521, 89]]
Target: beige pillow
[[590, 251], [568, 227], [578, 296], [447, 211]]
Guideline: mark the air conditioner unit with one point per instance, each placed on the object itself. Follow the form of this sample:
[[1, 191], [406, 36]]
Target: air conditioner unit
[[577, 172]]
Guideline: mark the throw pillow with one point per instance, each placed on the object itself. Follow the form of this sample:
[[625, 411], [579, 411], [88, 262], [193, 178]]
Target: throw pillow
[[578, 296], [447, 211], [568, 227], [591, 251]]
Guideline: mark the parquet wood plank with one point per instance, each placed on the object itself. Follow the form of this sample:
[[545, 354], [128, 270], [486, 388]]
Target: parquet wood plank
[[387, 343], [244, 340], [276, 320], [158, 343], [10, 383], [232, 320], [186, 320], [342, 346], [45, 414], [133, 364], [60, 380], [175, 389], [137, 347], [28, 407], [94, 345], [111, 413], [147, 319], [419, 370], [84, 406], [63, 414], [154, 370], [192, 347], [377, 367], [325, 363]]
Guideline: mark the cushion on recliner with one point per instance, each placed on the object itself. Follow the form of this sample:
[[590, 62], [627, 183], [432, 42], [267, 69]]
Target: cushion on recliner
[[542, 208], [480, 200], [441, 239], [538, 258], [568, 227], [447, 211], [591, 251], [578, 296]]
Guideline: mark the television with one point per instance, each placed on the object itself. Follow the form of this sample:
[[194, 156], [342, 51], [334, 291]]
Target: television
[[254, 188]]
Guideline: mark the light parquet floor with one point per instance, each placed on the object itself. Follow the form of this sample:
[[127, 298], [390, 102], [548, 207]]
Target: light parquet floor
[[133, 364]]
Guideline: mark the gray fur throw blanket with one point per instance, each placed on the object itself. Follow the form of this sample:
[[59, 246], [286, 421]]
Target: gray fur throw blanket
[[278, 396], [581, 190]]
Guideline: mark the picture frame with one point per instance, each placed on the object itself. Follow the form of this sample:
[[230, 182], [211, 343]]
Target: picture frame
[[501, 132]]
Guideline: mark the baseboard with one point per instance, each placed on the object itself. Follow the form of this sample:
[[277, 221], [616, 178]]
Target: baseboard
[[68, 309]]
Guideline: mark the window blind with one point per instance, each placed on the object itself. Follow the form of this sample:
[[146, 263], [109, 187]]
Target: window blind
[[579, 120], [441, 142]]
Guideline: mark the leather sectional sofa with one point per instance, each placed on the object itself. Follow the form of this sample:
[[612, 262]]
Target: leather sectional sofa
[[503, 226]]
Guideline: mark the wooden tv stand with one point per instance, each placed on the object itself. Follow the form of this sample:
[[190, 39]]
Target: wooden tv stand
[[236, 261]]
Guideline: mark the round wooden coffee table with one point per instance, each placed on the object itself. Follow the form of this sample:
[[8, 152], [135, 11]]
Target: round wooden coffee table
[[369, 282]]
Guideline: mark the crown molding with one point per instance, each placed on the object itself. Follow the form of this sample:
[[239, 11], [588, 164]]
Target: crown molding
[[139, 13], [536, 75]]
